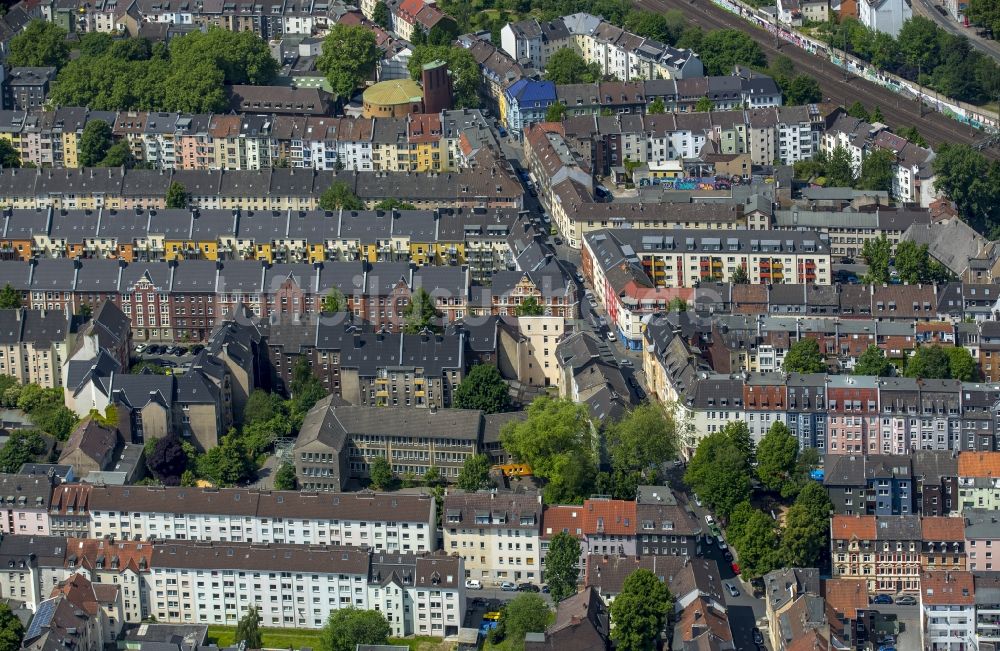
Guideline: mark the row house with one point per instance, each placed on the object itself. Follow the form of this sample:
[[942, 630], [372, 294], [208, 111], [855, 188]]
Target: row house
[[987, 593], [849, 229], [619, 53], [405, 524], [181, 300], [487, 184], [686, 258], [980, 529], [498, 69], [948, 610], [884, 551], [187, 582], [913, 173], [423, 237], [978, 481], [495, 534]]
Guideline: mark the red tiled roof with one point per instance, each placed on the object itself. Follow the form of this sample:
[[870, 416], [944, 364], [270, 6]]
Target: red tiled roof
[[979, 464], [558, 517], [845, 527], [611, 517], [940, 528], [947, 588], [846, 596]]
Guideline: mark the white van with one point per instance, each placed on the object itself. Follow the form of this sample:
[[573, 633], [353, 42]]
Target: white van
[[473, 584]]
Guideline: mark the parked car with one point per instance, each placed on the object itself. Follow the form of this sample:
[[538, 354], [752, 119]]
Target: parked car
[[579, 278], [736, 568], [728, 555], [507, 586], [628, 362], [140, 348], [611, 336], [152, 349], [882, 599], [527, 587], [722, 544], [758, 638], [533, 192], [473, 584], [545, 589], [733, 591], [906, 600], [181, 350], [709, 519], [697, 500], [558, 240]]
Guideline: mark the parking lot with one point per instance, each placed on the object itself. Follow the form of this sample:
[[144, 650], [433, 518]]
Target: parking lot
[[173, 357]]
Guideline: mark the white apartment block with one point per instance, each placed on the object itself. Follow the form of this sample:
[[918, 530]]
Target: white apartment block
[[948, 609], [496, 534], [383, 522]]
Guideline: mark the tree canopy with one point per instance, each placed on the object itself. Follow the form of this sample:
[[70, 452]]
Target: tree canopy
[[248, 629], [381, 474], [350, 53], [723, 49], [177, 195], [10, 298], [40, 44], [340, 196], [754, 534], [530, 307], [637, 446], [11, 629], [776, 456], [167, 460], [346, 628], [285, 478], [937, 362], [555, 440], [640, 611], [804, 356], [475, 473], [873, 362], [566, 66], [95, 141], [525, 613], [804, 541], [877, 171], [22, 446], [483, 388], [720, 471], [914, 264], [966, 177], [562, 565], [421, 313], [877, 253]]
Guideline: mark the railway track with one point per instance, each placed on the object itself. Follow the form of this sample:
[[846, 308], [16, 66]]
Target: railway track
[[897, 110]]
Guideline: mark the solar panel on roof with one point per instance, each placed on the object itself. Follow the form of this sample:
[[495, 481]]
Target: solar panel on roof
[[42, 618]]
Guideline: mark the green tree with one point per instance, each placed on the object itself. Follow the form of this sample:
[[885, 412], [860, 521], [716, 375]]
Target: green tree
[[914, 264], [804, 356], [642, 441], [803, 89], [241, 56], [805, 540], [739, 276], [723, 49], [839, 169], [380, 15], [556, 112], [656, 107], [984, 13], [555, 440], [9, 157], [877, 253], [703, 105], [306, 388], [10, 298], [562, 565], [177, 195], [961, 365], [530, 307], [525, 613], [285, 479], [677, 304], [462, 66], [973, 183], [719, 472], [350, 53], [858, 110], [394, 204], [757, 544], [11, 630], [94, 143], [22, 446], [41, 43], [650, 25], [118, 155], [475, 473], [381, 474], [334, 302], [911, 134], [262, 406], [248, 629], [340, 196], [776, 457], [929, 362], [877, 171], [877, 115], [873, 362], [346, 628], [639, 613], [195, 89], [483, 388], [227, 464], [421, 313], [566, 66]]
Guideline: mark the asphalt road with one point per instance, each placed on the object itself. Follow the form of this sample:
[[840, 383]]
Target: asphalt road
[[927, 8], [897, 110]]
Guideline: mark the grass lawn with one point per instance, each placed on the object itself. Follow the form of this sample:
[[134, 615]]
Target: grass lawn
[[273, 638], [424, 643]]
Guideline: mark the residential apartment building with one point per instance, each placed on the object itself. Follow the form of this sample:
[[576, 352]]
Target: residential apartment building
[[33, 345], [981, 530], [884, 551], [978, 481], [948, 610], [663, 527], [496, 534], [24, 508], [404, 524]]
